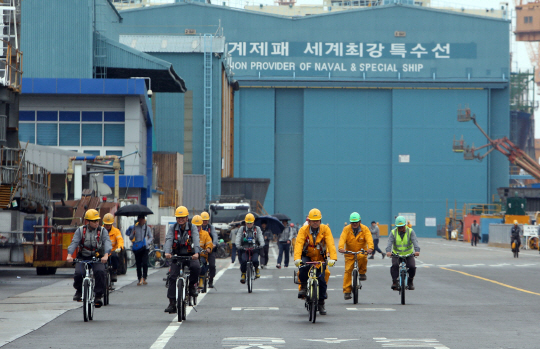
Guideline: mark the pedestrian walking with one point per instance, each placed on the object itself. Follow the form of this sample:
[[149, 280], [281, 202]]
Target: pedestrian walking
[[475, 231], [268, 236], [233, 241], [141, 233], [375, 234], [284, 243]]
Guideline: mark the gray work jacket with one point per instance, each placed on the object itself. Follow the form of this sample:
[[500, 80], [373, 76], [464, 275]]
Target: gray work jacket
[[90, 241], [287, 234], [141, 233], [475, 229], [259, 239], [212, 231], [169, 238], [375, 232]]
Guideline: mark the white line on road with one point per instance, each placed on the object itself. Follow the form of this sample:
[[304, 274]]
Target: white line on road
[[259, 289], [473, 265], [410, 343], [448, 265], [169, 332], [253, 308], [371, 309]]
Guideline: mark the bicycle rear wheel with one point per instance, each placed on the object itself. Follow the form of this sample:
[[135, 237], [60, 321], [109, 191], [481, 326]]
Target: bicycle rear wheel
[[86, 299], [249, 280], [180, 299], [152, 259], [314, 301], [403, 281], [186, 298], [355, 286], [130, 258]]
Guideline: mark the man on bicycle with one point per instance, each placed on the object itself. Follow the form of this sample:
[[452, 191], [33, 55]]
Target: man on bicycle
[[212, 255], [206, 247], [182, 239], [249, 236], [313, 243], [117, 243], [515, 235], [354, 238], [402, 242], [92, 241]]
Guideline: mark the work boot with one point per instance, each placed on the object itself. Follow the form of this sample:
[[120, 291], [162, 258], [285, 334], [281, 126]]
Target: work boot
[[201, 282], [193, 291], [303, 290], [171, 309], [363, 277], [211, 283], [322, 310], [78, 296], [395, 285], [278, 266], [371, 257], [410, 284], [347, 296], [114, 277], [98, 302], [243, 278], [257, 273]]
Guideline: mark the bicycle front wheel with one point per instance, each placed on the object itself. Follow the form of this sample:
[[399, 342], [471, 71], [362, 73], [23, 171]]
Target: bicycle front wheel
[[180, 299], [403, 281], [86, 299], [249, 279], [130, 258], [314, 301], [355, 286]]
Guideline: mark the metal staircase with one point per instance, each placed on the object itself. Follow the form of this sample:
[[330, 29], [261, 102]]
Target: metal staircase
[[10, 57], [208, 40]]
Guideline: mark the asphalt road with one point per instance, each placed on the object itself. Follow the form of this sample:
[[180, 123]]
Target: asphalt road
[[465, 297]]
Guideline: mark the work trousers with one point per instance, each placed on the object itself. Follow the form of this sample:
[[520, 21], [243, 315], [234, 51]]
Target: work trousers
[[204, 266], [114, 260], [141, 260], [517, 240], [349, 266], [321, 272], [475, 238], [233, 253], [99, 277], [283, 248], [194, 272], [409, 262], [376, 249], [243, 257], [264, 253]]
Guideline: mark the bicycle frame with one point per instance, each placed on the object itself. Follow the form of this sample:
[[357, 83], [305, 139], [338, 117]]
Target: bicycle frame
[[88, 302], [312, 296], [355, 268], [185, 298]]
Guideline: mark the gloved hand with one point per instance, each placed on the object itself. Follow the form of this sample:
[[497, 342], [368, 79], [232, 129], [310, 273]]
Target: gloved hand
[[118, 250], [331, 262], [298, 262]]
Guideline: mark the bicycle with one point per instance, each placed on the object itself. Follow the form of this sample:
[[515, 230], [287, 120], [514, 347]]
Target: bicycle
[[156, 258], [88, 284], [515, 248], [183, 298], [403, 275], [356, 284], [108, 282], [204, 265], [250, 269], [312, 293], [130, 258]]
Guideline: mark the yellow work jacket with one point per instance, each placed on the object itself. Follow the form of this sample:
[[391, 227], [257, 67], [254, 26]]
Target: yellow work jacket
[[205, 242], [117, 240], [324, 238], [349, 242]]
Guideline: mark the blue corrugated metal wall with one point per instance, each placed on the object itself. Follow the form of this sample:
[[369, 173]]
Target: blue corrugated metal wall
[[169, 122]]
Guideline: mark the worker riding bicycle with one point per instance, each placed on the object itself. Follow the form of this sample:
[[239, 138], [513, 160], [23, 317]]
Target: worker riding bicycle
[[206, 247], [249, 236], [355, 237], [211, 259], [314, 243], [117, 242], [402, 242]]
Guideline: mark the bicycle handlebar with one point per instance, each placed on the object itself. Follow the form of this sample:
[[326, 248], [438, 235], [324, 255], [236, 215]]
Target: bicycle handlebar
[[399, 256], [359, 252], [87, 261], [313, 263]]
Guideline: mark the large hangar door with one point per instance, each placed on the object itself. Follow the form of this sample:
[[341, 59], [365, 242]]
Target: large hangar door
[[347, 152], [425, 170], [289, 170]]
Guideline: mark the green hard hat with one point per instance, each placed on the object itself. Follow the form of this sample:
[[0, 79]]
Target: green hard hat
[[355, 217], [401, 221]]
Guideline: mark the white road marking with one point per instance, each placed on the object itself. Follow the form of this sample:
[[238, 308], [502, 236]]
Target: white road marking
[[253, 308], [500, 265], [285, 277], [410, 343], [448, 265], [473, 265], [259, 289], [252, 342], [526, 265], [330, 340], [266, 277], [169, 332], [371, 309]]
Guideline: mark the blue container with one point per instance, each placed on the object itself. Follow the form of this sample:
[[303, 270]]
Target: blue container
[[28, 225]]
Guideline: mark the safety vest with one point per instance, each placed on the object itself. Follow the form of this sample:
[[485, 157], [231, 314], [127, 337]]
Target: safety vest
[[249, 240], [403, 246], [95, 249], [187, 244]]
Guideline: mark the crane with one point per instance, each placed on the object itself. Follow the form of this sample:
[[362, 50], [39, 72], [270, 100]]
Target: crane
[[514, 154]]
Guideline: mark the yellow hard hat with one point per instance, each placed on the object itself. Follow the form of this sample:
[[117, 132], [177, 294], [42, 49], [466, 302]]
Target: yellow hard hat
[[314, 215], [197, 220], [181, 211], [250, 218], [515, 222], [108, 219], [92, 215], [205, 216]]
